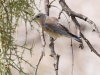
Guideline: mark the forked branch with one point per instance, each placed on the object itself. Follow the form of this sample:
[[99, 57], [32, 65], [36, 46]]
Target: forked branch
[[73, 14]]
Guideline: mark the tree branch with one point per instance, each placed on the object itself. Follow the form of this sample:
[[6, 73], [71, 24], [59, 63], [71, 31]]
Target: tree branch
[[71, 13], [89, 21], [42, 50], [42, 53], [90, 46]]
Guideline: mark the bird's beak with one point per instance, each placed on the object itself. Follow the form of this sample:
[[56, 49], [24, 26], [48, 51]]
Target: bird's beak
[[33, 18]]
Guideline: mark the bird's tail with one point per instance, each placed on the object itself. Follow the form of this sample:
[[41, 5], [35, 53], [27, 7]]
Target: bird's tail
[[75, 38]]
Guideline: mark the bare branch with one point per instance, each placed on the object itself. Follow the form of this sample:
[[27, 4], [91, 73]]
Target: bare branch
[[93, 26], [60, 14], [72, 52], [72, 56], [42, 53], [65, 7], [42, 50], [54, 55], [43, 40], [78, 30], [73, 15], [46, 3], [88, 20], [51, 2], [90, 46]]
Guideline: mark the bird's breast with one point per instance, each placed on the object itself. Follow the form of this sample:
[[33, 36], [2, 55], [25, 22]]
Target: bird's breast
[[51, 33]]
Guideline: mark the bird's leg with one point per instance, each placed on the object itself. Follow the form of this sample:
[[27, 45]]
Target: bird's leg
[[81, 44], [54, 39]]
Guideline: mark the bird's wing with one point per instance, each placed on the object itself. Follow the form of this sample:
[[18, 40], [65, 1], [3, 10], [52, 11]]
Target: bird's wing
[[53, 25]]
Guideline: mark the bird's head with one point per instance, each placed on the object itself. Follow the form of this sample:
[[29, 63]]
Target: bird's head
[[40, 17]]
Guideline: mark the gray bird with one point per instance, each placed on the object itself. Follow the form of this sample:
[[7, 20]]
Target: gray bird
[[52, 26]]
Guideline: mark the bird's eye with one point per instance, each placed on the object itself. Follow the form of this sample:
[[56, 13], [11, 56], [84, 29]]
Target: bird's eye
[[38, 16]]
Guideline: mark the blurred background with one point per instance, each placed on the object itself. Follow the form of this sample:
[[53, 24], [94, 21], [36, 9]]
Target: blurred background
[[85, 61]]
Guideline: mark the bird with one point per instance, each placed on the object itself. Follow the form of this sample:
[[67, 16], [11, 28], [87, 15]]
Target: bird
[[53, 27]]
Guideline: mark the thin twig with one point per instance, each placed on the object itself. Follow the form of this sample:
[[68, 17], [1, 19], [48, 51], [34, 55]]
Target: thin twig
[[35, 5], [72, 50], [47, 6], [61, 11], [42, 54], [42, 50], [72, 57], [90, 46], [43, 40], [78, 30], [51, 2], [60, 14]]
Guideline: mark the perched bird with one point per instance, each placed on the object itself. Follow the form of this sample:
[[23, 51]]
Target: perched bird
[[52, 26]]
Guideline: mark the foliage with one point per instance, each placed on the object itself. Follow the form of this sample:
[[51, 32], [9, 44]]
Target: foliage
[[11, 11]]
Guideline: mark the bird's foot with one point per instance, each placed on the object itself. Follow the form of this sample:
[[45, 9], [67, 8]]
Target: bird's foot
[[81, 45]]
